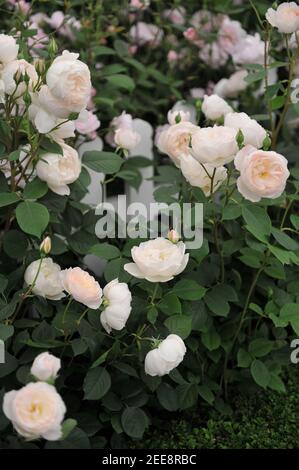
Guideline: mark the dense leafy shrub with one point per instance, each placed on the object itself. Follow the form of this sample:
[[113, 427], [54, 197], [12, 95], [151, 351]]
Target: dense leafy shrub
[[261, 421]]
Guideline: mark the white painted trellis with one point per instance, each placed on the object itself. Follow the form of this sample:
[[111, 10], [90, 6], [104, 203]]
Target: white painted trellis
[[96, 194]]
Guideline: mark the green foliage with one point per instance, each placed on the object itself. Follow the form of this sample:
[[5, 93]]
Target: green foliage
[[262, 421]]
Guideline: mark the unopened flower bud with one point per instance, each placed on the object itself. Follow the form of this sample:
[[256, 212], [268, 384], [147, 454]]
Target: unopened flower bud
[[39, 65], [45, 246], [52, 48], [173, 236]]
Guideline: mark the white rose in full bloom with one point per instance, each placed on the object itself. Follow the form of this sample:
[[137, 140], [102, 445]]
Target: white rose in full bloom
[[45, 366], [52, 104], [215, 145], [18, 68], [232, 86], [175, 140], [249, 50], [285, 18], [45, 121], [117, 298], [262, 174], [166, 357], [48, 283], [8, 49], [59, 170], [201, 177], [82, 287], [176, 116], [36, 411], [215, 107], [157, 260], [126, 138], [68, 80], [254, 134]]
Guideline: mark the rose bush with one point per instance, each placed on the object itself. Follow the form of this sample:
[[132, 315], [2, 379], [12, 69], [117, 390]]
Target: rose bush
[[94, 358]]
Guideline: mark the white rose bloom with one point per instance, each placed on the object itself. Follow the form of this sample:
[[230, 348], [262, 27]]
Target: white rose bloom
[[175, 140], [254, 134], [59, 170], [232, 86], [48, 283], [157, 260], [215, 107], [166, 357], [68, 80], [215, 145], [18, 68], [126, 138], [45, 121], [45, 366], [8, 48], [262, 173], [53, 105], [176, 116], [201, 177], [117, 298], [285, 18], [82, 287], [36, 411]]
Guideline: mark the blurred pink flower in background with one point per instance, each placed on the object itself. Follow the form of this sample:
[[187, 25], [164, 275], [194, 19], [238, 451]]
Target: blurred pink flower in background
[[87, 124], [172, 56], [21, 5], [143, 33], [175, 15]]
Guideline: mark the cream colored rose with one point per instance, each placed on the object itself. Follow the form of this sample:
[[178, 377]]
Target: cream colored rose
[[157, 260], [127, 139], [262, 174], [82, 287], [36, 411], [117, 301], [285, 18], [53, 105], [47, 284], [46, 122], [175, 140], [17, 70], [215, 107], [68, 80], [254, 134], [8, 49], [59, 170], [214, 145], [201, 177], [166, 357], [45, 367]]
